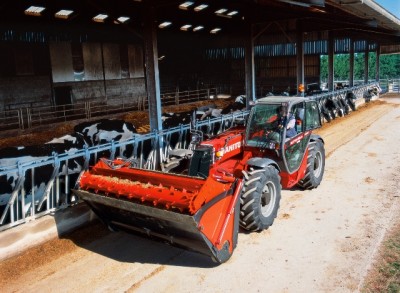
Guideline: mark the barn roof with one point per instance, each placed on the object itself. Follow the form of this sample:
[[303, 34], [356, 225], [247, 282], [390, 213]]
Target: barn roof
[[370, 10], [86, 20]]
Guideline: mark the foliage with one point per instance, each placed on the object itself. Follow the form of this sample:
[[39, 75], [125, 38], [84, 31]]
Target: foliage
[[389, 66], [385, 273]]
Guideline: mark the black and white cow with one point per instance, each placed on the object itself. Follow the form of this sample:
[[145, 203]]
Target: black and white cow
[[238, 105], [74, 139], [372, 92], [107, 130], [37, 183], [86, 134], [170, 120], [350, 100]]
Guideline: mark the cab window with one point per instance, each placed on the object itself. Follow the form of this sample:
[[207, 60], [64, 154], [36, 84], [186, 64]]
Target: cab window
[[312, 116]]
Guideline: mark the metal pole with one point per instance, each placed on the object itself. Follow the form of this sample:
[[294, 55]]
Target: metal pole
[[104, 72], [300, 61], [331, 53], [377, 64], [351, 69], [151, 63], [152, 76], [366, 63], [249, 66]]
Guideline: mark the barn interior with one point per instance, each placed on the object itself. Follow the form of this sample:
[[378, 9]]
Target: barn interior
[[67, 52], [62, 54]]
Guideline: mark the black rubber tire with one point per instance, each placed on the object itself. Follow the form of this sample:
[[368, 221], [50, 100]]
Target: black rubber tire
[[259, 201], [315, 165]]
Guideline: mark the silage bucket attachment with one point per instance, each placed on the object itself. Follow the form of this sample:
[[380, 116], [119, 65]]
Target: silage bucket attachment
[[198, 214]]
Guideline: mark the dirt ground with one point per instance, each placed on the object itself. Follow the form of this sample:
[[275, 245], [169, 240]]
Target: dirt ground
[[323, 240]]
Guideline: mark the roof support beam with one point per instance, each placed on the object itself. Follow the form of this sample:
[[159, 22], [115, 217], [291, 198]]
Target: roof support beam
[[152, 72], [331, 53], [351, 65], [378, 57], [249, 66], [366, 63], [300, 60]]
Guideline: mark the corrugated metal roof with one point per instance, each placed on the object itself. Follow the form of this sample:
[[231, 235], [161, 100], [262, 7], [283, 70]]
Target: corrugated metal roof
[[369, 10]]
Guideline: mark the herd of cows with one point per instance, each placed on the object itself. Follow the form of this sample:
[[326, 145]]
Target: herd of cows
[[37, 182]]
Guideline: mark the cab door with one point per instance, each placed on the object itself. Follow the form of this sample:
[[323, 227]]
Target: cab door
[[294, 147], [308, 117], [312, 115]]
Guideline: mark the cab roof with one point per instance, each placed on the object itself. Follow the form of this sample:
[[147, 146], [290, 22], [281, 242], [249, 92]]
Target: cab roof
[[281, 99]]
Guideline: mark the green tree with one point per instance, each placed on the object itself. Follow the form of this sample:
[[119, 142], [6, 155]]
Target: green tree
[[389, 66]]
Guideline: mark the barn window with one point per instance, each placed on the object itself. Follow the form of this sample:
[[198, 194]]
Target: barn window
[[63, 14], [200, 7], [164, 24], [123, 19], [198, 28], [100, 18], [186, 27], [185, 5], [34, 11]]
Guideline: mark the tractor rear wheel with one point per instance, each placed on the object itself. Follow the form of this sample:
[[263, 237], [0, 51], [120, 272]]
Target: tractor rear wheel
[[315, 165], [259, 201]]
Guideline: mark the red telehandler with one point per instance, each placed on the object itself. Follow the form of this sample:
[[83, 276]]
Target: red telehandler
[[232, 179]]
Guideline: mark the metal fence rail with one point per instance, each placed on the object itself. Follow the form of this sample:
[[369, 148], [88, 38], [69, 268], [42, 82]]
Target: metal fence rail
[[29, 200], [390, 85], [11, 119], [181, 97], [28, 117], [395, 86]]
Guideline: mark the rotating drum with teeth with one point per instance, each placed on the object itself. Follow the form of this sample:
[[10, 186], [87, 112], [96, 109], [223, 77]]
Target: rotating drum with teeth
[[199, 214]]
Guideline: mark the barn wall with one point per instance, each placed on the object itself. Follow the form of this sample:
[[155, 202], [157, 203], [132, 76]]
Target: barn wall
[[279, 74], [124, 89], [35, 74], [112, 61], [24, 91], [273, 74], [61, 62]]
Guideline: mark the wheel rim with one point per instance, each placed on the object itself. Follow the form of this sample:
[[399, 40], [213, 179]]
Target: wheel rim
[[317, 164], [268, 198]]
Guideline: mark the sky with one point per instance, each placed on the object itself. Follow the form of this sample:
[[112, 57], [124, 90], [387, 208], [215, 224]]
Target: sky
[[393, 6]]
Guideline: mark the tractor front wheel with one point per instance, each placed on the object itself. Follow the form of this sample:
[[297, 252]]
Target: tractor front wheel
[[315, 165], [259, 201]]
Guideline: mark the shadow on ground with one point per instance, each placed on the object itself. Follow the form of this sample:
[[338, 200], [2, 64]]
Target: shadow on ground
[[130, 248]]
